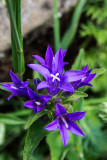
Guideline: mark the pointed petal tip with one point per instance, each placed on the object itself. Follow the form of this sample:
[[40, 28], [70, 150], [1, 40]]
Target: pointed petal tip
[[52, 126], [8, 98], [49, 46], [29, 65], [59, 110], [10, 70]]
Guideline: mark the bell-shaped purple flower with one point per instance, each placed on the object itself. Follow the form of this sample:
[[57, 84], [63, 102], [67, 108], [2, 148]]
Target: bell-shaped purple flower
[[19, 88], [48, 62], [65, 122], [37, 103], [52, 70], [85, 80]]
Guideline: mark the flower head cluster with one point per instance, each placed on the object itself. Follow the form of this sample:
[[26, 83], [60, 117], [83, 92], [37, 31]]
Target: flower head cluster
[[55, 81]]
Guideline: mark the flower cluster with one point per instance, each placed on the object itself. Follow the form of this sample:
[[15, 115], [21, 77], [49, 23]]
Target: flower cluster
[[56, 81]]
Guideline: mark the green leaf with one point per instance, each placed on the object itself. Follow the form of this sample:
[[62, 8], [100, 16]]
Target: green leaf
[[74, 154], [79, 59], [35, 134], [79, 105], [33, 117], [57, 148], [55, 144], [99, 71], [23, 112], [10, 120], [2, 133], [79, 94], [76, 95]]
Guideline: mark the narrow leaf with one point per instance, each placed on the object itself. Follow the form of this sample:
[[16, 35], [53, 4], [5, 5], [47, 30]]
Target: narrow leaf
[[79, 59], [55, 144], [71, 31], [77, 94], [33, 117], [99, 71], [10, 120], [35, 134], [2, 133]]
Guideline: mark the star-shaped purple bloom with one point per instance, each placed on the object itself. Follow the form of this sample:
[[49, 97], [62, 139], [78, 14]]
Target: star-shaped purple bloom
[[37, 103], [52, 70], [85, 80], [19, 88], [48, 62], [65, 122]]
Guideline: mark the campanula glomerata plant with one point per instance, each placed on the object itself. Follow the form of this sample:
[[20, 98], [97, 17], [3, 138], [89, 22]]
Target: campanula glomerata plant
[[50, 94]]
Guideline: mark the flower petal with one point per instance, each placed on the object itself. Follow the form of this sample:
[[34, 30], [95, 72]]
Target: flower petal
[[58, 63], [52, 126], [24, 84], [42, 85], [15, 79], [64, 133], [73, 75], [72, 127], [45, 98], [89, 77], [29, 104], [64, 52], [40, 59], [9, 86], [82, 84], [42, 70], [67, 87], [76, 115], [59, 110], [37, 81], [85, 68], [49, 57], [12, 95], [38, 109], [32, 94], [65, 63]]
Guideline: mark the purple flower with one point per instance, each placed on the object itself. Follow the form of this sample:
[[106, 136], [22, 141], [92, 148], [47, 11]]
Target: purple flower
[[48, 62], [19, 88], [85, 80], [65, 121], [37, 103], [52, 70]]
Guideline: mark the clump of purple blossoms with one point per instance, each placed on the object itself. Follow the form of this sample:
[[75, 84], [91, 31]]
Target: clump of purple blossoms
[[56, 81]]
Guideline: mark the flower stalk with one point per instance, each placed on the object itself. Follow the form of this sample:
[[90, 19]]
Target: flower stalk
[[14, 10], [56, 25]]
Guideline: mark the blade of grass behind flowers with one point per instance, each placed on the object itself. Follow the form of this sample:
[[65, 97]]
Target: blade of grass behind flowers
[[56, 25], [71, 31]]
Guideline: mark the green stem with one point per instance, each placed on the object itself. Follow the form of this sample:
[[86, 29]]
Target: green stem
[[14, 54], [56, 25], [18, 23], [14, 9], [13, 25], [71, 31], [14, 50]]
